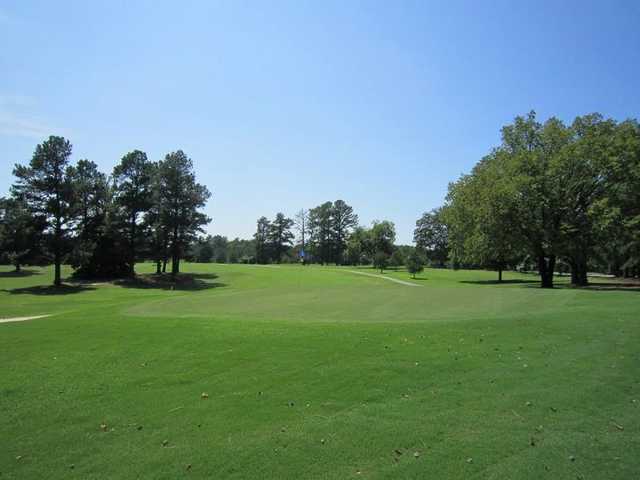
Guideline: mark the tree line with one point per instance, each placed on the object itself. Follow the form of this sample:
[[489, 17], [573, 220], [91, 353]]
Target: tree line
[[330, 234], [551, 197], [219, 249], [102, 225]]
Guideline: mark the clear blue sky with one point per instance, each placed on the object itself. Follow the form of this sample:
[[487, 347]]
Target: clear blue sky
[[283, 105]]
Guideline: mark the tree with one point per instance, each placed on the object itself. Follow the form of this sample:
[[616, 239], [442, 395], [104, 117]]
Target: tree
[[301, 222], [414, 263], [359, 246], [343, 220], [587, 169], [132, 186], [156, 232], [203, 250], [280, 236], [431, 236], [242, 251], [619, 220], [46, 185], [397, 258], [220, 247], [551, 192], [382, 237], [530, 149], [320, 227], [480, 218], [98, 250], [180, 198], [19, 232], [381, 260], [261, 238]]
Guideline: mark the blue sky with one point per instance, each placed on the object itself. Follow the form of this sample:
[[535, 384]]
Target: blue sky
[[284, 105]]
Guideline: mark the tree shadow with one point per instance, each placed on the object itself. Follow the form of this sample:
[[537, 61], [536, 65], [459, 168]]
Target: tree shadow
[[497, 282], [183, 282], [22, 273], [605, 286], [64, 289]]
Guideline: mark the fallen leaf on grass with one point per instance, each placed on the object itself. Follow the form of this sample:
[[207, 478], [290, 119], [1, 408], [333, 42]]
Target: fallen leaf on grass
[[617, 425]]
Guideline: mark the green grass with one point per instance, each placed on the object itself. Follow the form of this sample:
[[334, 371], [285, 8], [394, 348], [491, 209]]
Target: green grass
[[319, 373]]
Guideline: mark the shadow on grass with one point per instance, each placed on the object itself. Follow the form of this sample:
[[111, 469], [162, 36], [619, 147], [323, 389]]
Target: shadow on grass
[[497, 282], [49, 290], [604, 286], [184, 281], [21, 273]]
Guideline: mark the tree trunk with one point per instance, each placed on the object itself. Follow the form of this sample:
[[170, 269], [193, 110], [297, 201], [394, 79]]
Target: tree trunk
[[175, 254], [574, 272], [304, 253], [57, 257], [499, 274], [546, 267], [175, 266], [57, 281], [579, 271], [132, 247], [164, 264], [158, 267], [18, 269]]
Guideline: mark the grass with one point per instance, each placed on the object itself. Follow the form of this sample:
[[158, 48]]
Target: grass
[[318, 373]]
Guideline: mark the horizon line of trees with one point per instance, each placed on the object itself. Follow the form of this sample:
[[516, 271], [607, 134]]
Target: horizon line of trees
[[328, 233], [550, 198], [60, 212], [331, 234]]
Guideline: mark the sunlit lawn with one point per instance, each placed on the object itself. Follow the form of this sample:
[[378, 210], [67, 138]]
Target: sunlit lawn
[[318, 373]]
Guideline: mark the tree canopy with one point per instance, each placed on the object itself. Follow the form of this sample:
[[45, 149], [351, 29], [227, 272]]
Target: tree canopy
[[553, 193], [102, 225]]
